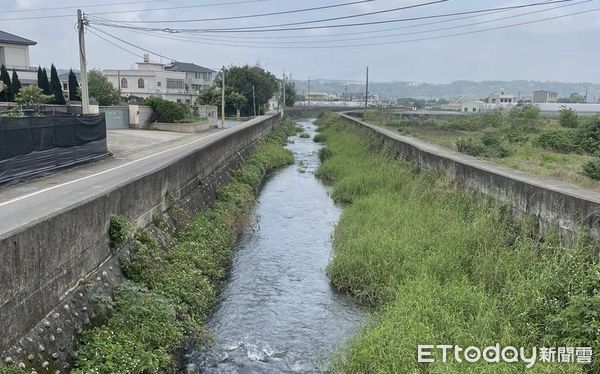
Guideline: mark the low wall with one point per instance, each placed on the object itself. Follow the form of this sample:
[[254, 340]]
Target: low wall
[[140, 116], [555, 205], [181, 127], [43, 262]]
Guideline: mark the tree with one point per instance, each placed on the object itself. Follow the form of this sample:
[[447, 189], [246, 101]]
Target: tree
[[568, 118], [5, 95], [56, 87], [291, 96], [32, 96], [236, 100], [73, 87], [241, 79], [574, 98], [101, 89], [15, 84], [43, 81]]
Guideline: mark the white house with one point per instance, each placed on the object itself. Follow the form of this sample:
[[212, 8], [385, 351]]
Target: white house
[[178, 81], [14, 54]]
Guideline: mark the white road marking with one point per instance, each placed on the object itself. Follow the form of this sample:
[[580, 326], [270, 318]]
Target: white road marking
[[105, 171]]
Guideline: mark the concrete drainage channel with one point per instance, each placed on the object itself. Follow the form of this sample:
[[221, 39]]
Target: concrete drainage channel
[[57, 272]]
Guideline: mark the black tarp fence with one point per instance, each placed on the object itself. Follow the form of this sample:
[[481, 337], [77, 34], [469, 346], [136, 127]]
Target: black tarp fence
[[34, 146]]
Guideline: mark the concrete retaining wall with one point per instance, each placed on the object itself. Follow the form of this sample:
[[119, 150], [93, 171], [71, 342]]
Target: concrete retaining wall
[[555, 205], [181, 127], [43, 262]]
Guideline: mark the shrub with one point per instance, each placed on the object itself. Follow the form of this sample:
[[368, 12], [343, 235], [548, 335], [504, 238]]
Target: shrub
[[568, 118], [591, 169], [118, 231], [587, 136], [319, 138], [558, 141], [166, 111], [305, 135]]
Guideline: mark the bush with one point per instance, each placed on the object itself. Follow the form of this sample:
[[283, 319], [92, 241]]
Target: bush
[[166, 111], [490, 147], [558, 141], [591, 169], [305, 135], [587, 136], [568, 118], [319, 138]]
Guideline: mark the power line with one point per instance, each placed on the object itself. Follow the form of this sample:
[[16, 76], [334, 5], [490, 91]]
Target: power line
[[406, 40], [83, 6], [184, 7], [270, 29], [253, 15], [380, 36], [136, 10], [135, 46], [115, 44]]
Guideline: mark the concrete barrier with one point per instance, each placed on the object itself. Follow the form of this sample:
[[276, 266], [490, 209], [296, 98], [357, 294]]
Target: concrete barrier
[[43, 261], [569, 209]]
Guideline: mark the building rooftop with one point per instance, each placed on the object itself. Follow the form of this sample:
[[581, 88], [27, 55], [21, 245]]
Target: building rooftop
[[187, 67], [14, 39]]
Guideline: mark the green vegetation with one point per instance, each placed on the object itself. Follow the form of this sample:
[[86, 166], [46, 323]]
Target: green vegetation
[[167, 111], [591, 169], [101, 89], [304, 135], [73, 87], [172, 289], [6, 93], [444, 266], [319, 138], [521, 140]]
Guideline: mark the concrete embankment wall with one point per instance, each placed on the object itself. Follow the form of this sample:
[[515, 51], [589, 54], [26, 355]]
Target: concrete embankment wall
[[569, 209], [43, 262]]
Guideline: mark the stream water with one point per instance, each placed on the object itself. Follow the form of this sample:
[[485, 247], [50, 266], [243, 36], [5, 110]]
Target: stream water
[[278, 312]]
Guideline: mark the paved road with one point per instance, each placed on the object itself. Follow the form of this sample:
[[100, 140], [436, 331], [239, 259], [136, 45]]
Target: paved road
[[136, 152]]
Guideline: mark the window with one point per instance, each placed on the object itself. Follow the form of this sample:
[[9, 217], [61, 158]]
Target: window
[[175, 84], [187, 101], [123, 83], [141, 83], [65, 86], [158, 83], [179, 100]]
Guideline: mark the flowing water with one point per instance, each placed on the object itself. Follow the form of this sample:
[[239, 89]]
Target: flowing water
[[277, 312]]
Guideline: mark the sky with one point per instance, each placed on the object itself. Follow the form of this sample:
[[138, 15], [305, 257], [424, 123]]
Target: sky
[[564, 49]]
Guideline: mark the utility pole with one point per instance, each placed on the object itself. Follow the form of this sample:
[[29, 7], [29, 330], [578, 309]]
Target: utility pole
[[223, 98], [85, 94], [308, 94], [283, 107], [367, 91], [254, 100]]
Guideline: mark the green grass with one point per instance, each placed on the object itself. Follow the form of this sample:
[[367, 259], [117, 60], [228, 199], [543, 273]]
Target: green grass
[[171, 290], [443, 266], [523, 151], [304, 135]]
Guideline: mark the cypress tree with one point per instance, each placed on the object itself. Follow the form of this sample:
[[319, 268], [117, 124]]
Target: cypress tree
[[5, 78], [73, 87], [56, 87], [40, 78], [45, 85], [15, 85]]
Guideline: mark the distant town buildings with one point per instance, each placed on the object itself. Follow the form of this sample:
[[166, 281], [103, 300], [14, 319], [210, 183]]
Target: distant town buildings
[[501, 98], [178, 81], [543, 96]]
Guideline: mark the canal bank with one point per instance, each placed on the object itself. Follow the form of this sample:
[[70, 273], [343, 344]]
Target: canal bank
[[278, 311], [443, 265]]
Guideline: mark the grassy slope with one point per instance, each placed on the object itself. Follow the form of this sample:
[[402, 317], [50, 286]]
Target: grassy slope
[[173, 289], [445, 267], [527, 156]]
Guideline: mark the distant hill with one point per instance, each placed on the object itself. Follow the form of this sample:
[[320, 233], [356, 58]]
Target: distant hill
[[459, 88]]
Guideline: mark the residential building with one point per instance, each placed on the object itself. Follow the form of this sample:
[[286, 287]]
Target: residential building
[[196, 77], [501, 98], [473, 106], [180, 82], [543, 96], [14, 54]]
